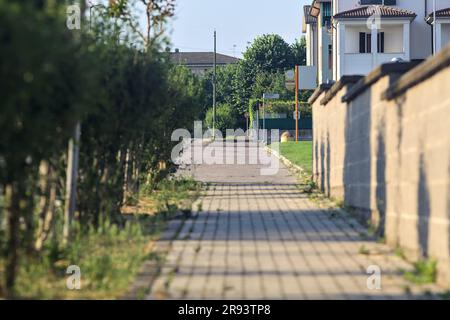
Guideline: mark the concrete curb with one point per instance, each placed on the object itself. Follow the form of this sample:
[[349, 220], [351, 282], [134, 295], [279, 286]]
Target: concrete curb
[[288, 163]]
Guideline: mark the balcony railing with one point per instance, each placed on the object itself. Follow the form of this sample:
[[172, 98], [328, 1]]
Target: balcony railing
[[363, 63]]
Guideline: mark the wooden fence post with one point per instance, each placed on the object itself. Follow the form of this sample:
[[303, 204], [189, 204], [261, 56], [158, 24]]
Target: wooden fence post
[[71, 180]]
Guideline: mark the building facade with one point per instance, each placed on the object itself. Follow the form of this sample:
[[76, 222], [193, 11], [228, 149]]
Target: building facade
[[316, 25], [355, 36], [200, 62], [442, 27]]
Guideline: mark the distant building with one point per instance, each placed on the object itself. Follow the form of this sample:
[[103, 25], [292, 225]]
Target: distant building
[[442, 27], [352, 37], [201, 62]]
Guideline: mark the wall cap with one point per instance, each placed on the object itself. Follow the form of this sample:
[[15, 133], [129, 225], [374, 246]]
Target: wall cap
[[321, 88], [375, 75], [345, 80], [422, 72]]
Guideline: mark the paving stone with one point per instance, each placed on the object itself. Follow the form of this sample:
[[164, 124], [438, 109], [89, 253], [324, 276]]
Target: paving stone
[[259, 237]]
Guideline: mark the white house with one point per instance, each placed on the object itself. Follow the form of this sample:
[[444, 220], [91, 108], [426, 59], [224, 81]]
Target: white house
[[367, 33], [309, 28], [442, 27], [316, 22]]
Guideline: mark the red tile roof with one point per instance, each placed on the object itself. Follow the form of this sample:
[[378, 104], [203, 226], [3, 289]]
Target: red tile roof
[[444, 13], [201, 58], [368, 11]]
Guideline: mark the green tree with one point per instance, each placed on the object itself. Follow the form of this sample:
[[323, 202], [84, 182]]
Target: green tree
[[225, 118], [269, 53], [224, 84], [299, 51], [128, 102], [271, 82], [261, 70]]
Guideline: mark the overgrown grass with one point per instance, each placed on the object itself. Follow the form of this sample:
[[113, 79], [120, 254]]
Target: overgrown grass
[[109, 256], [363, 250], [424, 272], [173, 194], [298, 153], [166, 197]]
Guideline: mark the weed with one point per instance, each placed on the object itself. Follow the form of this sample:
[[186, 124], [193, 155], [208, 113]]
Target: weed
[[400, 253], [109, 255], [363, 250], [141, 293], [424, 272], [381, 240], [340, 203], [109, 258]]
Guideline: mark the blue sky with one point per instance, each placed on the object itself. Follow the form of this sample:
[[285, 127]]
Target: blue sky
[[237, 22]]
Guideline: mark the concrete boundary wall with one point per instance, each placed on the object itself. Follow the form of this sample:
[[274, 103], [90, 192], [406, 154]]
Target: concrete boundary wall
[[381, 144]]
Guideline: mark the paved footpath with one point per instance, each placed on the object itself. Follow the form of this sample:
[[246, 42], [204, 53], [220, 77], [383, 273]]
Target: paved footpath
[[259, 237]]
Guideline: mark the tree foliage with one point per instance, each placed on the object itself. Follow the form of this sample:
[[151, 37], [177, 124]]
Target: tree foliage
[[299, 51], [128, 102], [261, 70], [269, 53], [225, 118]]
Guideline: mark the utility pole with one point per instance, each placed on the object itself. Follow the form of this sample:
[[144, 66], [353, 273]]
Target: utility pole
[[264, 114], [296, 104], [434, 27], [257, 122], [214, 86]]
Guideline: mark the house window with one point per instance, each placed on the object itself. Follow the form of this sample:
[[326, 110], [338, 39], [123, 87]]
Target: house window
[[365, 42], [326, 15], [330, 56], [380, 40]]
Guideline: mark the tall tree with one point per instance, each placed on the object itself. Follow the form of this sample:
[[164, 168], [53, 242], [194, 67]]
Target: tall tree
[[224, 84], [157, 12], [269, 53], [299, 51]]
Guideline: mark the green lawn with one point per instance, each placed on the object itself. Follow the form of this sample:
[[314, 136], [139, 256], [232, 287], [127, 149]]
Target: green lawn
[[298, 153]]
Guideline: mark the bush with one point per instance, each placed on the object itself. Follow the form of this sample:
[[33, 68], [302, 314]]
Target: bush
[[279, 106], [226, 118], [127, 100]]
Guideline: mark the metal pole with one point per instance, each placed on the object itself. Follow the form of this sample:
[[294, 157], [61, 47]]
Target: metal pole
[[434, 27], [264, 116], [257, 122], [214, 88], [296, 103], [247, 120]]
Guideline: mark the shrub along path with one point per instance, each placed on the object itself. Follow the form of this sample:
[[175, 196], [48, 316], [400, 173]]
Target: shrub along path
[[256, 236]]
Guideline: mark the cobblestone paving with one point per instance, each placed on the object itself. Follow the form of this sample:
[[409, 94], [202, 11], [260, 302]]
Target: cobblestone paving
[[259, 237]]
